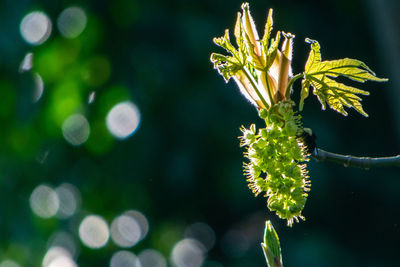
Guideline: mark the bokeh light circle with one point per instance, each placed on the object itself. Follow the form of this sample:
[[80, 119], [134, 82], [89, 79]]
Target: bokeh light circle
[[201, 232], [39, 87], [62, 261], [35, 27], [94, 232], [44, 201], [124, 258], [152, 258], [125, 231], [235, 242], [27, 63], [141, 220], [123, 119], [91, 97], [76, 129], [9, 263], [188, 253], [69, 200], [71, 22], [64, 241], [58, 257]]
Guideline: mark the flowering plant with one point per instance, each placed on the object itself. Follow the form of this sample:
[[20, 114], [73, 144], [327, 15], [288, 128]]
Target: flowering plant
[[278, 153]]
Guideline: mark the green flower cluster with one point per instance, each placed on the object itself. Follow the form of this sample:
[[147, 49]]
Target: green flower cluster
[[277, 157]]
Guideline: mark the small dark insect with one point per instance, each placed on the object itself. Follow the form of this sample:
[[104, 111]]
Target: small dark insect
[[309, 139]]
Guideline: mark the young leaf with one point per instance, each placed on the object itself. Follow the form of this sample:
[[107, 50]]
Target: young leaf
[[271, 55], [271, 246], [227, 66], [268, 29], [269, 48], [249, 64], [225, 43], [319, 75]]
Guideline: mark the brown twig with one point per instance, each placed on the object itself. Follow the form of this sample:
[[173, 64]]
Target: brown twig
[[358, 162]]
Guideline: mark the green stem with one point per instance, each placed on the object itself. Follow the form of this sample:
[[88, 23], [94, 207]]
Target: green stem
[[255, 88], [359, 162], [294, 78]]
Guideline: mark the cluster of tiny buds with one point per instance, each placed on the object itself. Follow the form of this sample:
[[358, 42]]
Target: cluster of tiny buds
[[277, 156]]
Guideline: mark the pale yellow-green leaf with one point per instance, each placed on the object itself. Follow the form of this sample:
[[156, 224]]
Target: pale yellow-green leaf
[[238, 31], [350, 68], [225, 43], [337, 95], [227, 66], [272, 51], [242, 55], [319, 75], [254, 59], [314, 56], [257, 59], [269, 48], [267, 30]]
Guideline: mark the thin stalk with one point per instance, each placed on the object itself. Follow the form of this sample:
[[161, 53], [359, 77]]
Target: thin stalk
[[255, 88], [358, 162], [294, 78]]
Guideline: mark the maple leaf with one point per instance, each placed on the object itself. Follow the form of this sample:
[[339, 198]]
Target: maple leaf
[[319, 75]]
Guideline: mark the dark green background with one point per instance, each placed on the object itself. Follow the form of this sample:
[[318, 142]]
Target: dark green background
[[184, 164]]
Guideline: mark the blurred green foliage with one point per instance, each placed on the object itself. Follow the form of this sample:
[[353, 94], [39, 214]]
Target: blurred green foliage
[[183, 163]]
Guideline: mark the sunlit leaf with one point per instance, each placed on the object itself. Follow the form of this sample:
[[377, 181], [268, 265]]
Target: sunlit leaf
[[227, 66], [268, 29], [255, 63], [238, 31], [225, 43], [271, 55], [319, 75]]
